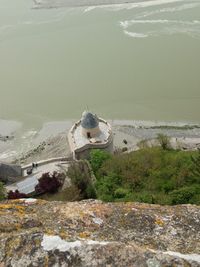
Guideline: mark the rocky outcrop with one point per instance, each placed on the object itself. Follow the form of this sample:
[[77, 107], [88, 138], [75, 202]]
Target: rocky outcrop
[[9, 172], [92, 233]]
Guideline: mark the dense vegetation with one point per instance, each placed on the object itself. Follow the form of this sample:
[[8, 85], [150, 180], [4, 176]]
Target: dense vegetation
[[153, 175], [157, 175]]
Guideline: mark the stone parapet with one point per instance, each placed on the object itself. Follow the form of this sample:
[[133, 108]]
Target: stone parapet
[[80, 151]]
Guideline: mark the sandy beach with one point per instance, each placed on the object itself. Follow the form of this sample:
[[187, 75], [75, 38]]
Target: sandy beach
[[24, 146]]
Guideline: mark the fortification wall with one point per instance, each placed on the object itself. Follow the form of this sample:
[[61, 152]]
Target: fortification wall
[[84, 151], [46, 161]]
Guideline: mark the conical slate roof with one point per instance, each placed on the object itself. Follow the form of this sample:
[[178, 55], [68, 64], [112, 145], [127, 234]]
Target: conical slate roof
[[89, 120]]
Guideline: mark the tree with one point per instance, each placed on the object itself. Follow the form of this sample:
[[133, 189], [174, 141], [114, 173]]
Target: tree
[[48, 183], [108, 185], [81, 178], [2, 191], [97, 157], [164, 141]]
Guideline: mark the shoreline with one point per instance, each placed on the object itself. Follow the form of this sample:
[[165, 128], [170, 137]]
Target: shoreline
[[82, 3], [29, 145]]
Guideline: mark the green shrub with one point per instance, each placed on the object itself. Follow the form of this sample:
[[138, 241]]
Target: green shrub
[[97, 157], [168, 186], [147, 198], [90, 191], [164, 141], [184, 195], [121, 192], [106, 185]]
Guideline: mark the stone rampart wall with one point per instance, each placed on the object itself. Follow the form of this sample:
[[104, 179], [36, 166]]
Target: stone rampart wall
[[46, 161]]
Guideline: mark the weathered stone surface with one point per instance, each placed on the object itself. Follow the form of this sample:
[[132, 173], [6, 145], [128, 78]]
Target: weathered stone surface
[[9, 172], [92, 233]]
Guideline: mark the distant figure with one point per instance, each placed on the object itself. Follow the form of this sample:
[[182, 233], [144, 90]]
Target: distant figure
[[125, 142], [29, 171]]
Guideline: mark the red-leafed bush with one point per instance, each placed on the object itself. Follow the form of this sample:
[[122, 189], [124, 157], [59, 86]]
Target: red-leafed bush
[[16, 194], [48, 183]]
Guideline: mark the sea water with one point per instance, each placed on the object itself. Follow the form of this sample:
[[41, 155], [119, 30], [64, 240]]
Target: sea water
[[137, 61]]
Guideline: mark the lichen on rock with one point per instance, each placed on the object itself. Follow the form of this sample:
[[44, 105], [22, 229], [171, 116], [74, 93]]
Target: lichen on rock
[[91, 233]]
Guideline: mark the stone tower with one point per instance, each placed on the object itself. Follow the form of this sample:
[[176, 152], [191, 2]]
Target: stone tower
[[90, 132], [90, 125]]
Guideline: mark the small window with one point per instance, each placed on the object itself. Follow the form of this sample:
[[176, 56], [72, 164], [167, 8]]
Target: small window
[[88, 135]]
